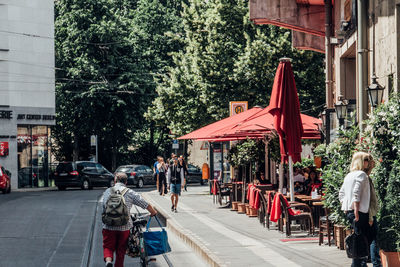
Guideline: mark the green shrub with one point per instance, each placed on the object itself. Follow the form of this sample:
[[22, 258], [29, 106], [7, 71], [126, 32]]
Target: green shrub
[[383, 136], [338, 159]]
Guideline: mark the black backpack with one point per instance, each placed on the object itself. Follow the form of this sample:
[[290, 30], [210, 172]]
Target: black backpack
[[116, 212]]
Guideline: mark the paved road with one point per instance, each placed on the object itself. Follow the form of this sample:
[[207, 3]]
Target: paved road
[[52, 228]]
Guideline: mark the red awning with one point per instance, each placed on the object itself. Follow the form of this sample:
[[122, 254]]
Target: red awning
[[255, 126], [207, 131]]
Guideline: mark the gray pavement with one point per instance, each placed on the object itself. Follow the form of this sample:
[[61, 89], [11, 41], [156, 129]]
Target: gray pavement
[[46, 228], [225, 238]]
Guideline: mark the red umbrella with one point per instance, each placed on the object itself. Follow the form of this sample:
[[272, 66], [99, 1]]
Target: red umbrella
[[285, 107]]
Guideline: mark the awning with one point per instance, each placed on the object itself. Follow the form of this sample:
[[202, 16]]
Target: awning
[[207, 131], [255, 126]]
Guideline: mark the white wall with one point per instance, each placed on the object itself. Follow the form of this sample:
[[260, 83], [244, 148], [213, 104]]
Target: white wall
[[27, 68]]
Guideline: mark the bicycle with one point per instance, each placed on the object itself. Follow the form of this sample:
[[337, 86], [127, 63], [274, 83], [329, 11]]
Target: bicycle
[[136, 247]]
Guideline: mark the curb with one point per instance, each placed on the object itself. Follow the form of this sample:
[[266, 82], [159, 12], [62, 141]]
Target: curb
[[40, 189], [186, 235]]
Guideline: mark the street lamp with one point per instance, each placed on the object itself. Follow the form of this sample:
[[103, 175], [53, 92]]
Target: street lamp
[[341, 111], [375, 92]]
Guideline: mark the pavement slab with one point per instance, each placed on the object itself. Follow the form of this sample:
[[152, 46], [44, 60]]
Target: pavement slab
[[224, 238]]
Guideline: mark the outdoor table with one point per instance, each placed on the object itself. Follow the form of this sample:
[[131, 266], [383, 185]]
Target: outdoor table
[[264, 187]]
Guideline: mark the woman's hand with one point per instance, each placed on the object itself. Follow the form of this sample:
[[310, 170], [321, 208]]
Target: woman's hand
[[356, 217], [371, 223]]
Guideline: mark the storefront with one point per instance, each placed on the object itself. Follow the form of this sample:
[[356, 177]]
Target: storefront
[[26, 142]]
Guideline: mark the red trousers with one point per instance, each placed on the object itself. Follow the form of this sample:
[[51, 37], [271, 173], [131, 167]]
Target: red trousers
[[115, 241]]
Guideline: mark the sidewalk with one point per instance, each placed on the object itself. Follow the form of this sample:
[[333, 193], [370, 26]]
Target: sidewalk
[[225, 238]]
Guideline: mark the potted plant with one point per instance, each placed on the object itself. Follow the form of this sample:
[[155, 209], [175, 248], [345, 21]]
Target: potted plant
[[337, 156], [319, 152], [383, 136]]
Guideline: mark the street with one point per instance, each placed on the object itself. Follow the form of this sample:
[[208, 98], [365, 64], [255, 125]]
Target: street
[[57, 228]]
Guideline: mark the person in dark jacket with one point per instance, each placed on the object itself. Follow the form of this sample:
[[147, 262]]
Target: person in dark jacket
[[175, 182]]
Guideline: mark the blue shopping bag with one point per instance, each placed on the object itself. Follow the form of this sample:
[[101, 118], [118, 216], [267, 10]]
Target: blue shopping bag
[[156, 242]]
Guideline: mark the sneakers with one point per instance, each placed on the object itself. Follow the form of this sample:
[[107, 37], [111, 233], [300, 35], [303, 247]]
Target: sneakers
[[109, 264], [172, 208], [175, 210]]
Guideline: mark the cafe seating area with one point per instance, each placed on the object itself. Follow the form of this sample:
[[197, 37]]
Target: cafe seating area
[[304, 217]]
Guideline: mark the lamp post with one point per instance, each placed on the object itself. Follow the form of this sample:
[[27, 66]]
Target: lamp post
[[326, 123], [341, 111], [375, 92]]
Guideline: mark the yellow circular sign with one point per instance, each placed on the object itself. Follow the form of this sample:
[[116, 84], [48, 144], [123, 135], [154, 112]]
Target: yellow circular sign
[[239, 109]]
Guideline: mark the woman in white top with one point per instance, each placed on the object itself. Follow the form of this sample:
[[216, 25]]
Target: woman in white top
[[355, 197]]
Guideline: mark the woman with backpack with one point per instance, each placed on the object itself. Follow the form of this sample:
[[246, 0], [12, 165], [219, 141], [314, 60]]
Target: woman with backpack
[[117, 203]]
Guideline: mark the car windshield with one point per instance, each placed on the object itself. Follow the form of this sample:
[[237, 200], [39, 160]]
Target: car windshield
[[65, 167], [123, 169]]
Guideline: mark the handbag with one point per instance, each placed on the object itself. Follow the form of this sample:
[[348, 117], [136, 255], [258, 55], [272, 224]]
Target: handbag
[[356, 245], [156, 242], [133, 249]]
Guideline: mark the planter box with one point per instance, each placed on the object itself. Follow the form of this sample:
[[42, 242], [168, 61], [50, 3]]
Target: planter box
[[247, 209], [340, 235], [241, 208], [390, 259], [252, 212], [234, 206]]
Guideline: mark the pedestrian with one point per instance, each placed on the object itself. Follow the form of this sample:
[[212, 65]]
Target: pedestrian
[[155, 173], [183, 165], [372, 211], [355, 196], [115, 238], [175, 181], [162, 169]]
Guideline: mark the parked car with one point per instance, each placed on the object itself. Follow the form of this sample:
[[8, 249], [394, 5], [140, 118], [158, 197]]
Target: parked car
[[5, 182], [138, 175], [194, 175], [84, 174]]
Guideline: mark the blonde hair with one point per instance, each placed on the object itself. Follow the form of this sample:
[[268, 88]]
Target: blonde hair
[[357, 162]]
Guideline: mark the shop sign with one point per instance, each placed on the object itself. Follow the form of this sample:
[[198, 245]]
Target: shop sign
[[6, 114], [236, 107], [36, 117], [3, 149]]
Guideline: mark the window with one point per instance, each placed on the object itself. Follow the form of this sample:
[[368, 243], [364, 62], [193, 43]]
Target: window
[[99, 168]]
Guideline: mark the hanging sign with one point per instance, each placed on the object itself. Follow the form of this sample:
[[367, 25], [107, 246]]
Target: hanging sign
[[236, 107], [93, 140]]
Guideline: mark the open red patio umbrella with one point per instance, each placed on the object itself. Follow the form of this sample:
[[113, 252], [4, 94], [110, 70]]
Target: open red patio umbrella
[[285, 107]]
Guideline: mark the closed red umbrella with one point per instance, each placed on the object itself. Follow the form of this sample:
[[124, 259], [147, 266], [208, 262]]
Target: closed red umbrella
[[285, 107]]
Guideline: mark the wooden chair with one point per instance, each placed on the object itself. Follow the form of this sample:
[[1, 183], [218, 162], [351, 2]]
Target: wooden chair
[[222, 192], [304, 216], [325, 227]]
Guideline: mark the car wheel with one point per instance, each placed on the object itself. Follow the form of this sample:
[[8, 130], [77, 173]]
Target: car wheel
[[140, 183], [111, 183], [61, 188], [85, 184], [4, 191], [9, 189]]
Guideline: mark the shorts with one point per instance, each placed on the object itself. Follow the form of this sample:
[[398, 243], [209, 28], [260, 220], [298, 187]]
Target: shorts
[[175, 188]]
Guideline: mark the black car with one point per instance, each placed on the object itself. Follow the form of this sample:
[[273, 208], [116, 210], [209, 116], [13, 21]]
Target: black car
[[194, 175], [84, 174], [138, 175]]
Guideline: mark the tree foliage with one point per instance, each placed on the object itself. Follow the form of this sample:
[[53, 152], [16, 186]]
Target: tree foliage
[[108, 54], [228, 58]]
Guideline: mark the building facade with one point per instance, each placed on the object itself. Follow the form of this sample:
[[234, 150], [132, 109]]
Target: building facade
[[360, 40], [27, 90]]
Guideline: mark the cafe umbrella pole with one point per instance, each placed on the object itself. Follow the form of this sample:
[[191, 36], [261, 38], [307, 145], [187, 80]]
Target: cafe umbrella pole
[[291, 178]]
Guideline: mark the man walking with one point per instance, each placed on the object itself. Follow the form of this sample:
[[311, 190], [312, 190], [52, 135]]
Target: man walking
[[116, 228], [175, 181]]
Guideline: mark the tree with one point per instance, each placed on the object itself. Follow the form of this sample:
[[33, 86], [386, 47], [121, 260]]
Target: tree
[[108, 57], [226, 58]]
